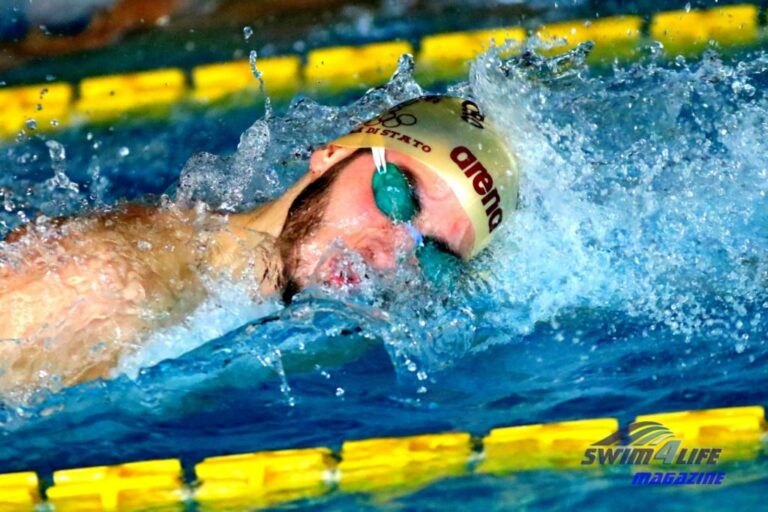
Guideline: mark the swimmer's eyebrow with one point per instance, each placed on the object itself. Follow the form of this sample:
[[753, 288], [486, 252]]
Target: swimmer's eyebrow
[[442, 244]]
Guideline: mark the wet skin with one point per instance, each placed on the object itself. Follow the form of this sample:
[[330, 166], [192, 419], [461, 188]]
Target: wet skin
[[353, 218], [78, 295]]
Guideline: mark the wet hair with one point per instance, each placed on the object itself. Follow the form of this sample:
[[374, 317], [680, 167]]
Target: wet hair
[[304, 217]]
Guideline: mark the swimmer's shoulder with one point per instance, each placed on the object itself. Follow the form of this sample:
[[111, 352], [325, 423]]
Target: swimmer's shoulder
[[244, 253], [115, 219]]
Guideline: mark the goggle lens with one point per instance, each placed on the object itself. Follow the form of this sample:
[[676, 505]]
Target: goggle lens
[[394, 196]]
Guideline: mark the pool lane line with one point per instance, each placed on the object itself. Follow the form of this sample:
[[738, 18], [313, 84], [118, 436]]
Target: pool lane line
[[45, 107], [382, 466], [343, 67]]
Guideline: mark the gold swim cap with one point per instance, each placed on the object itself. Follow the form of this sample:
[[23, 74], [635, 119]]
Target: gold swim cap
[[453, 138]]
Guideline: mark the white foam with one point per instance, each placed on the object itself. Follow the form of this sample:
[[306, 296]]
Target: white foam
[[227, 307]]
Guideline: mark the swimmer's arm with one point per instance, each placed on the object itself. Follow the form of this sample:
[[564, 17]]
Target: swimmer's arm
[[73, 302]]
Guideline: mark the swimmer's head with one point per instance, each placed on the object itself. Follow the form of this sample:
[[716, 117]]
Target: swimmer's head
[[454, 139], [460, 174]]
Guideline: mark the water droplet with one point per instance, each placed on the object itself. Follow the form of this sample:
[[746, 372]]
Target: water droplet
[[143, 245], [252, 57], [56, 151], [31, 124], [688, 7], [54, 122], [247, 33], [124, 151], [339, 391]]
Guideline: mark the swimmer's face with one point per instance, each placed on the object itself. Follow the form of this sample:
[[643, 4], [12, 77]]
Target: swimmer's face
[[342, 210]]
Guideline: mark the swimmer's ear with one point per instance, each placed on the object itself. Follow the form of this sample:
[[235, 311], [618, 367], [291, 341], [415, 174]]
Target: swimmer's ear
[[326, 157]]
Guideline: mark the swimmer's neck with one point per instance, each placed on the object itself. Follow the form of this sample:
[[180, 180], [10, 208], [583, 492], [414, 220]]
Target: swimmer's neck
[[270, 217]]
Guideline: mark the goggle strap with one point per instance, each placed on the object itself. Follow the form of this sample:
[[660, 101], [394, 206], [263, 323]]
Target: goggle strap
[[379, 159], [416, 235]]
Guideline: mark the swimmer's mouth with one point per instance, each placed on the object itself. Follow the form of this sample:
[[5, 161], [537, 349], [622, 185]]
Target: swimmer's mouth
[[340, 273]]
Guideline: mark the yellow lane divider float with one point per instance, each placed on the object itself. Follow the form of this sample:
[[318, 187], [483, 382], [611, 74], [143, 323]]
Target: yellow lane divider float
[[41, 107], [19, 491], [264, 478], [613, 37], [212, 82], [687, 32], [104, 96], [404, 464], [439, 57], [384, 467], [444, 56], [122, 487], [345, 67], [741, 428], [557, 445]]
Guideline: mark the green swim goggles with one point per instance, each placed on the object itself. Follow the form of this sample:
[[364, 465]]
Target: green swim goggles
[[395, 198]]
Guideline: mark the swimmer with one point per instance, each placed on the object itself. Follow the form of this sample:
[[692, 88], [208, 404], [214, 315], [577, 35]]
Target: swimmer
[[430, 178], [57, 27]]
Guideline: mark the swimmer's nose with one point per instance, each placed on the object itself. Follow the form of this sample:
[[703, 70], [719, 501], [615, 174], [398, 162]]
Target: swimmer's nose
[[380, 251]]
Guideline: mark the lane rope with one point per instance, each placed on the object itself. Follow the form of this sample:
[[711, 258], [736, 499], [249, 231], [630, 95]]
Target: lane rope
[[45, 107], [398, 465]]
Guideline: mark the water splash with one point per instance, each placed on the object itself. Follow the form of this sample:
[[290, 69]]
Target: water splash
[[642, 197], [273, 152], [227, 306], [60, 179], [638, 194]]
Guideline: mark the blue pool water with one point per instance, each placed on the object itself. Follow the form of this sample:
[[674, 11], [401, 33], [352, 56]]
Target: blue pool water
[[634, 279]]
